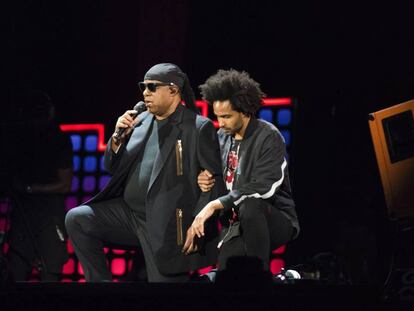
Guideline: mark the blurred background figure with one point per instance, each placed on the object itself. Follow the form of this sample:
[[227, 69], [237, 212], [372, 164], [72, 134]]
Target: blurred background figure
[[39, 170]]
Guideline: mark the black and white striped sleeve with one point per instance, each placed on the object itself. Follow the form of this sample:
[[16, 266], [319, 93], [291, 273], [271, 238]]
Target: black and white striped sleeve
[[269, 171]]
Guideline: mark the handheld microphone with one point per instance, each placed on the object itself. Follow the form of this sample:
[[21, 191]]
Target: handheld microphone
[[139, 108]]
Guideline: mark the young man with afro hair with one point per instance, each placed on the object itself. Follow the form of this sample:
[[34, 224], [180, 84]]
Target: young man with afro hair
[[258, 212]]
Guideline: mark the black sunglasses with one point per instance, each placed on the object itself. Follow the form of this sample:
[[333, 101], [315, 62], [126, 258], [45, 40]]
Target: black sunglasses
[[152, 86]]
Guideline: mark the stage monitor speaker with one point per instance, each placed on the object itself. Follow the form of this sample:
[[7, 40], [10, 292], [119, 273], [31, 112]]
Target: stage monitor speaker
[[392, 133]]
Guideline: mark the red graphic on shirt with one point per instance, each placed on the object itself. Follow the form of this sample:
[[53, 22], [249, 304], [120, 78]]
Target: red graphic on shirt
[[232, 163]]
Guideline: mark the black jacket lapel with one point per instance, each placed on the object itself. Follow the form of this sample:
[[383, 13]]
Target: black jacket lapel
[[225, 154], [168, 145], [136, 141]]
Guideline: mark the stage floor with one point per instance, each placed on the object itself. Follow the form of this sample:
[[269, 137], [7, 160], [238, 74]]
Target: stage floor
[[199, 296]]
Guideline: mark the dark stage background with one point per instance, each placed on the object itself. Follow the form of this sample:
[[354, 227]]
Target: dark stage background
[[340, 61]]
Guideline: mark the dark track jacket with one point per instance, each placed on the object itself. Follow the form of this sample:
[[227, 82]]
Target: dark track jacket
[[173, 196], [262, 172]]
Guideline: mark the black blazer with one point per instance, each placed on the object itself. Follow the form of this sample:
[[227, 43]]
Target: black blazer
[[173, 196]]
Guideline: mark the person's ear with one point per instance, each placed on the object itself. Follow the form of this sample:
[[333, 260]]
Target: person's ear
[[173, 91]]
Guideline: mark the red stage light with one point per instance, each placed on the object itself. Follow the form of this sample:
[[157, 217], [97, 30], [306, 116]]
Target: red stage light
[[118, 266], [69, 247], [276, 265], [279, 250], [205, 270], [100, 128], [69, 267], [80, 269], [277, 101], [203, 106], [118, 251]]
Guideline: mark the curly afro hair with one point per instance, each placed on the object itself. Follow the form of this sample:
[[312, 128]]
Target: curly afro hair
[[242, 91]]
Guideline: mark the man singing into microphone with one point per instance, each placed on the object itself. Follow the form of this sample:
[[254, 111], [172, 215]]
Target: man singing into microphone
[[153, 195], [258, 212]]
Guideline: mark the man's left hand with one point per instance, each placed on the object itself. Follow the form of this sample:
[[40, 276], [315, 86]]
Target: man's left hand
[[197, 227], [189, 246], [204, 215]]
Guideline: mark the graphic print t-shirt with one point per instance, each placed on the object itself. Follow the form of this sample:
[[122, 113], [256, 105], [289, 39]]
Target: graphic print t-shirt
[[232, 163]]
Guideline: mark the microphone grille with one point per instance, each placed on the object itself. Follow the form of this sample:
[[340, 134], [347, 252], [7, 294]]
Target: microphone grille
[[140, 107]]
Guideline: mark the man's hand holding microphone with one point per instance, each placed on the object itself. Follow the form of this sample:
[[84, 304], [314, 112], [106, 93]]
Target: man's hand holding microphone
[[125, 125]]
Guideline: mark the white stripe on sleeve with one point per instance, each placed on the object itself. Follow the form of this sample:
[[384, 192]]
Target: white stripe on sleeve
[[267, 194]]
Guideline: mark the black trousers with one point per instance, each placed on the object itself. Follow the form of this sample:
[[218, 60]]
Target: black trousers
[[91, 226], [263, 228]]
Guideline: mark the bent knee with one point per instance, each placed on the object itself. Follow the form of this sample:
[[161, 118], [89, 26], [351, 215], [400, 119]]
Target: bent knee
[[252, 208], [76, 216]]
